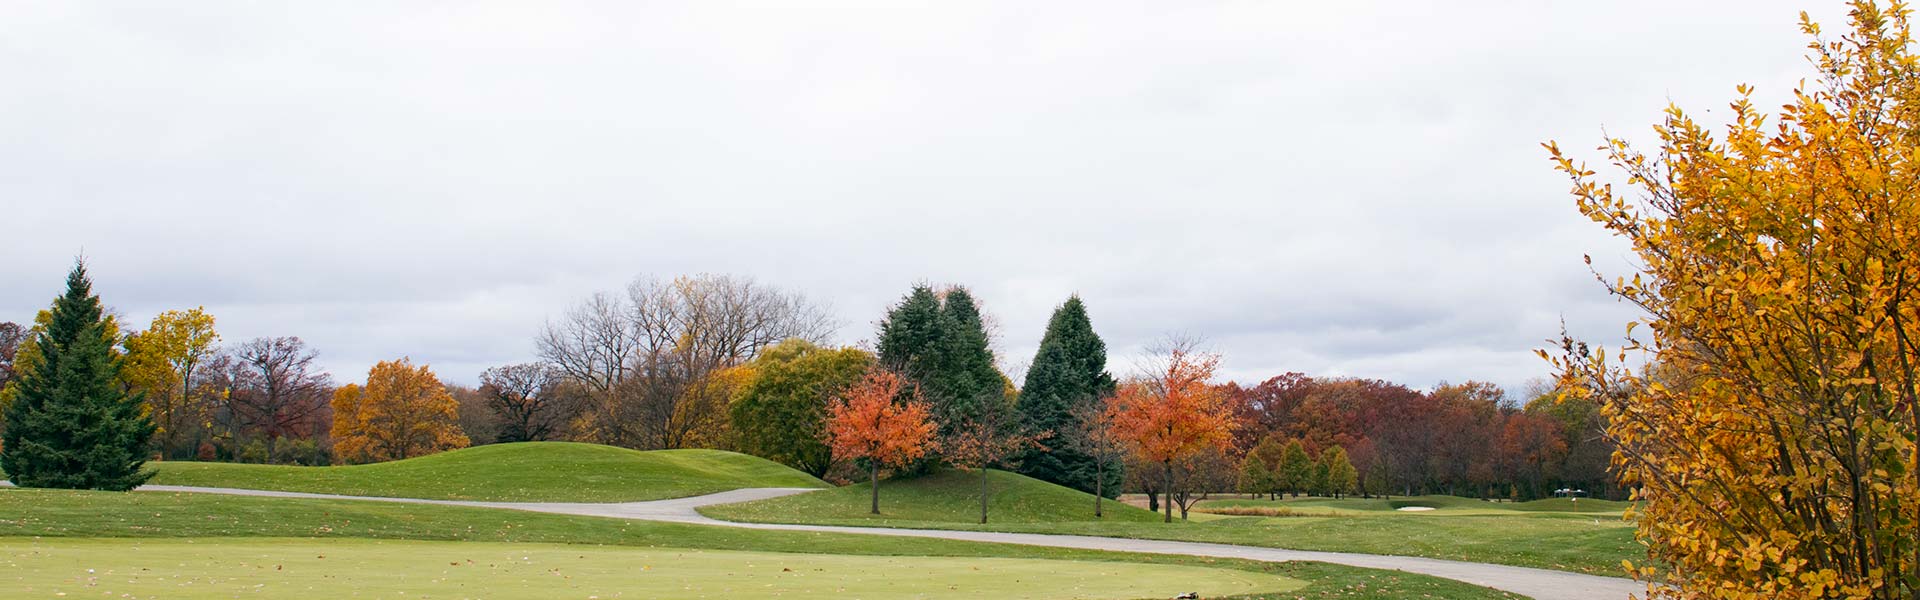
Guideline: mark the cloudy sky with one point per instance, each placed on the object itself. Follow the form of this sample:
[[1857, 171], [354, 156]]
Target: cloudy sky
[[1336, 188]]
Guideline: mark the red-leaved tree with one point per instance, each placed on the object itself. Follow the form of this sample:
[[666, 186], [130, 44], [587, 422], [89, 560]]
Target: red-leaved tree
[[1174, 413], [990, 437], [866, 422]]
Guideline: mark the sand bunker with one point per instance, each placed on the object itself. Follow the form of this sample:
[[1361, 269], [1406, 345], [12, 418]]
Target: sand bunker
[[1414, 508]]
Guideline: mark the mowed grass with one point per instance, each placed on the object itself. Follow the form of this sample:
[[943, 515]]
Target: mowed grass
[[308, 568], [1441, 505], [1459, 529], [525, 472], [945, 496], [139, 517]]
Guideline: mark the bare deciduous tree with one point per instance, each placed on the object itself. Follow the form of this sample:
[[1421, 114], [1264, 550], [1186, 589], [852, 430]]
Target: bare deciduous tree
[[1092, 435], [640, 357], [275, 390], [593, 344], [527, 401], [987, 438], [11, 334]]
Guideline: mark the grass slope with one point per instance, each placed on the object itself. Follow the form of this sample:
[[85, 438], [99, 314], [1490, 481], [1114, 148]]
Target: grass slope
[[945, 496], [1458, 529], [305, 568], [525, 472], [127, 517]]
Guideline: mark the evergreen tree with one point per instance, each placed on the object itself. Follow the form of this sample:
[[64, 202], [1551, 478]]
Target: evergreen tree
[[942, 346], [1070, 369], [72, 424], [967, 384], [913, 336]]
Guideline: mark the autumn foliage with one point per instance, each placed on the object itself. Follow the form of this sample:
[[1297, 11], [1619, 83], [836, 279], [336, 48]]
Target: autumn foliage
[[881, 421], [1773, 439], [1175, 413], [403, 412]]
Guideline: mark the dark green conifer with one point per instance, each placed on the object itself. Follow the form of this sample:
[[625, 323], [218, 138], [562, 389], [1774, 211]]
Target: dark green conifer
[[72, 424], [1069, 370], [913, 336], [967, 383], [940, 342]]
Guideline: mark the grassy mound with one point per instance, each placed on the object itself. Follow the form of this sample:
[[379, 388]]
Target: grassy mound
[[947, 496], [227, 567], [527, 472]]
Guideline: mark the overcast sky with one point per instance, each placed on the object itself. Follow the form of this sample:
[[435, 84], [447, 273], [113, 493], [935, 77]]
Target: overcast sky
[[1337, 188]]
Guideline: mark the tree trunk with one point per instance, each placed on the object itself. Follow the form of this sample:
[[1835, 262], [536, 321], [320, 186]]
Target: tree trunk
[[873, 476], [1099, 478], [983, 495], [1167, 479]]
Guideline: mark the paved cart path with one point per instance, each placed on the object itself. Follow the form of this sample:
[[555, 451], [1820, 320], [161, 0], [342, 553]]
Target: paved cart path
[[1540, 584]]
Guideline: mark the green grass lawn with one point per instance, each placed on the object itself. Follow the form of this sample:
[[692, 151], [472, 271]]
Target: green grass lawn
[[1441, 505], [140, 517], [1460, 529], [308, 568], [947, 496], [526, 472]]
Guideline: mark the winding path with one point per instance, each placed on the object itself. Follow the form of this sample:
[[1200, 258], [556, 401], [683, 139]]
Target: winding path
[[1540, 584]]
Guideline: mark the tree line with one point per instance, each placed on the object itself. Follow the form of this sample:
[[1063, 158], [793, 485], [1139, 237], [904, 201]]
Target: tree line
[[714, 361]]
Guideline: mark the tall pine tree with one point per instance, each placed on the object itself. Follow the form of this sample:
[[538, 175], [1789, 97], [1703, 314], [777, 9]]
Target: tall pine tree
[[1069, 370], [72, 424], [941, 344], [913, 336], [967, 382]]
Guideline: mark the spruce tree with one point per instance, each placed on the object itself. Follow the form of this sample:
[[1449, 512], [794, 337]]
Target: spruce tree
[[967, 384], [72, 424], [1070, 369], [942, 346], [913, 336]]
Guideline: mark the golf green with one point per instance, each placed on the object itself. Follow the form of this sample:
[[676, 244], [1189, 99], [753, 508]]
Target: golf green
[[310, 568]]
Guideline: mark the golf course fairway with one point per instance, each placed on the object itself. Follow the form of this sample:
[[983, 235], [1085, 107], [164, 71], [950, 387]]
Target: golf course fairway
[[307, 568]]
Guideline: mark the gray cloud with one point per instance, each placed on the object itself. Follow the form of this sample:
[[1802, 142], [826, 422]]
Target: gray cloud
[[1338, 188]]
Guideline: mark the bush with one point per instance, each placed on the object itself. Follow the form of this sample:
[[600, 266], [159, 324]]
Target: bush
[[1251, 511], [253, 451], [286, 452], [303, 452]]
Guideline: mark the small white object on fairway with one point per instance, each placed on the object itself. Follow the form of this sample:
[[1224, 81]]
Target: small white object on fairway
[[1414, 508]]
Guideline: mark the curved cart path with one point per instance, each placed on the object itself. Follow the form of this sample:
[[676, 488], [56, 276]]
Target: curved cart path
[[1540, 584]]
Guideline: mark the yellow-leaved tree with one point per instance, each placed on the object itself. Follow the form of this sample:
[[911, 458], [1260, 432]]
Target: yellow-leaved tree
[[162, 361], [402, 412], [1772, 436]]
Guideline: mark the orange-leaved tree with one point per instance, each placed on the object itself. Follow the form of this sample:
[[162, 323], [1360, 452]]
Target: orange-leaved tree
[[1174, 412], [1772, 440], [990, 437], [881, 421], [403, 412]]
